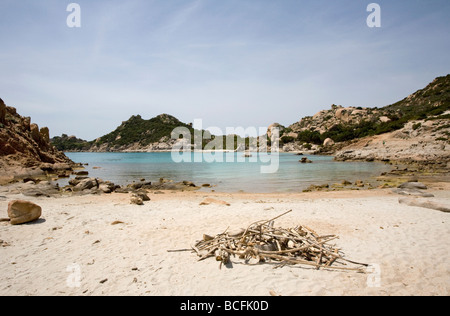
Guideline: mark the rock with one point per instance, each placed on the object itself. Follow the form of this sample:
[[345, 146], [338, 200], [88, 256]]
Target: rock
[[345, 182], [136, 200], [123, 190], [142, 195], [81, 173], [21, 212], [136, 186], [35, 135], [359, 183], [189, 184], [413, 192], [413, 185], [43, 188], [86, 184], [74, 182], [343, 114], [45, 134], [328, 142], [272, 126], [305, 160], [425, 204], [2, 112], [209, 201], [105, 188]]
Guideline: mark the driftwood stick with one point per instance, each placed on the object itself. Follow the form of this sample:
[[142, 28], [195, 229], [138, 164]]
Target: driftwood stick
[[299, 261], [180, 250], [267, 221]]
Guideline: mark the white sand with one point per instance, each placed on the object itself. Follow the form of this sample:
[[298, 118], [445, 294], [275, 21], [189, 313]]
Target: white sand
[[410, 245]]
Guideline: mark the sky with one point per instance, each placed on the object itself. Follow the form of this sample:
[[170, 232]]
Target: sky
[[233, 63]]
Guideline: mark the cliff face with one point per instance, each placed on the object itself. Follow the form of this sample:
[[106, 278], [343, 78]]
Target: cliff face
[[24, 148]]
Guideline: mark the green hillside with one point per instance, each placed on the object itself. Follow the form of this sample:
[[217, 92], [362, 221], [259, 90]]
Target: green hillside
[[144, 132]]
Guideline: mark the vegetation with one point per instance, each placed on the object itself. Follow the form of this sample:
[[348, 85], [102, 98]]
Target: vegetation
[[70, 143], [430, 103], [144, 132]]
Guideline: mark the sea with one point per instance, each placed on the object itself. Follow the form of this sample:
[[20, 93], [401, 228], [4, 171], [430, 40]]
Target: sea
[[228, 171]]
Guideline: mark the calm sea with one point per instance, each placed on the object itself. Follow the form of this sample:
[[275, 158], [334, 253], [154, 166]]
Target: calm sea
[[292, 176]]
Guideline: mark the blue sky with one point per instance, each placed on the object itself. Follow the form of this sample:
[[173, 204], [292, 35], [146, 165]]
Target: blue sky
[[231, 63]]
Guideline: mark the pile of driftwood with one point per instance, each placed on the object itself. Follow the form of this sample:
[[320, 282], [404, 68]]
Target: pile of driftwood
[[262, 242]]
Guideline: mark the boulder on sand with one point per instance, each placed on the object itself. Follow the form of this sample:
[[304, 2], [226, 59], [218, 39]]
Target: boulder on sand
[[21, 212], [135, 199], [413, 185], [425, 204]]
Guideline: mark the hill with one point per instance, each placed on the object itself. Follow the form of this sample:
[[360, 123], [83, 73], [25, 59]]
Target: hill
[[70, 143], [424, 115], [342, 124], [137, 134]]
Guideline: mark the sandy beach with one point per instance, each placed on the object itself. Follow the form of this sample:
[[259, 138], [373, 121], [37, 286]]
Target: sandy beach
[[103, 245]]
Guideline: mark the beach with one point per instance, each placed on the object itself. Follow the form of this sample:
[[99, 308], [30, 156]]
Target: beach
[[103, 245]]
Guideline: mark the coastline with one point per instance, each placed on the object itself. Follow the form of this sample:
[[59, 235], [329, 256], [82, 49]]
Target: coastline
[[122, 249], [112, 247]]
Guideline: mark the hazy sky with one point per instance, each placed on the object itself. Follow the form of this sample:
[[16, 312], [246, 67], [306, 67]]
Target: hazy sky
[[231, 63]]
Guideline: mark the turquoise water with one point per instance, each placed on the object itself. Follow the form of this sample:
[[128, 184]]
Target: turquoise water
[[292, 176]]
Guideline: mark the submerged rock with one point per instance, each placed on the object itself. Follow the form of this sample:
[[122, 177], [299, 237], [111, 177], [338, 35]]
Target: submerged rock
[[305, 160]]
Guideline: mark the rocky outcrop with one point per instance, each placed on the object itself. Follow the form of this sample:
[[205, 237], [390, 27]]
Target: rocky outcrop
[[414, 129], [280, 128], [325, 120], [419, 141], [24, 148]]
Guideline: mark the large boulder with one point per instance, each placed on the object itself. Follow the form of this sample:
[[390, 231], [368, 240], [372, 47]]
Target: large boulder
[[273, 126], [21, 212], [425, 204], [413, 185], [86, 184], [343, 114], [328, 142]]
